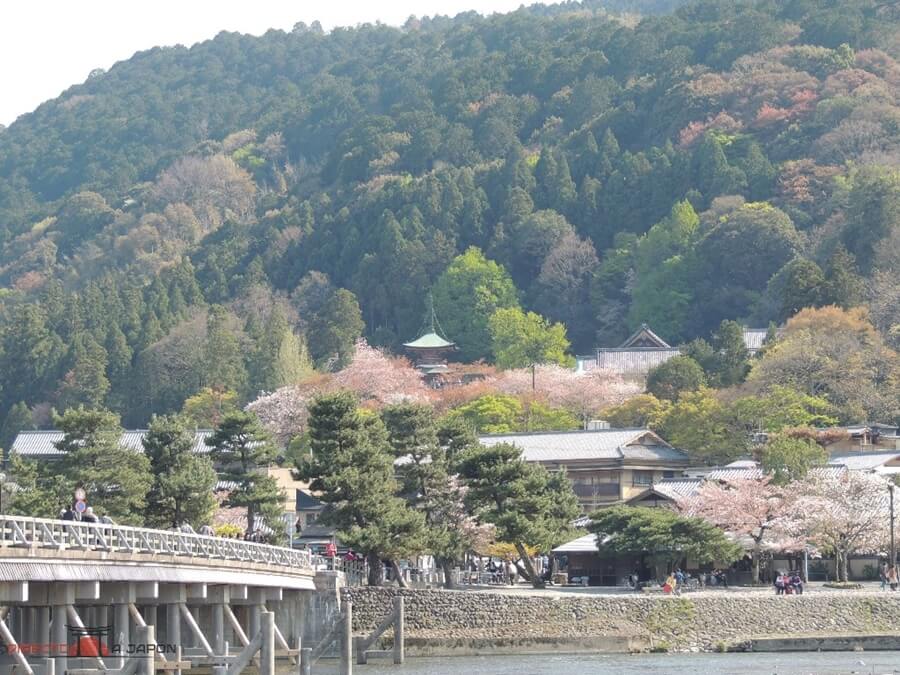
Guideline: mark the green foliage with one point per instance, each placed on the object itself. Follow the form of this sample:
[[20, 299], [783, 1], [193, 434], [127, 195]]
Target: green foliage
[[789, 459], [780, 408], [466, 296], [183, 482], [663, 535], [519, 339], [527, 505], [352, 468], [490, 414], [115, 479], [242, 450], [680, 373], [42, 493], [643, 410], [699, 424]]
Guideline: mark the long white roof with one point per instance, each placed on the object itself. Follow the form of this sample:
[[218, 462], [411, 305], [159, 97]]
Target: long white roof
[[612, 444], [43, 443]]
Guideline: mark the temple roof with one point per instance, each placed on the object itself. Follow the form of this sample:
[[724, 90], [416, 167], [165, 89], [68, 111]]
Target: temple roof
[[644, 338], [429, 341]]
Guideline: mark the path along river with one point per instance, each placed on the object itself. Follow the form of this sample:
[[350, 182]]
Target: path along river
[[804, 663]]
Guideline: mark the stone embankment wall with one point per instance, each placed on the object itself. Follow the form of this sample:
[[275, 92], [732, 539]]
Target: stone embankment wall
[[623, 622]]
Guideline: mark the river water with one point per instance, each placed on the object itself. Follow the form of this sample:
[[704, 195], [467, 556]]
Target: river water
[[804, 663]]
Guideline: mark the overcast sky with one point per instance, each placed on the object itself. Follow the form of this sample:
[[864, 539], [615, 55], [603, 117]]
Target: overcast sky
[[46, 46]]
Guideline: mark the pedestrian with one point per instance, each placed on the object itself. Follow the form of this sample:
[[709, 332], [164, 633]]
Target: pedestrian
[[670, 585], [779, 584], [68, 514], [892, 577], [88, 515], [511, 573], [207, 531], [797, 582], [883, 575]]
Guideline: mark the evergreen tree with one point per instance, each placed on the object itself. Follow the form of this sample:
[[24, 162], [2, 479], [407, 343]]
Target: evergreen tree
[[183, 482], [335, 328], [18, 419], [732, 360], [223, 360], [86, 382], [352, 469], [680, 373], [427, 483], [115, 478], [845, 288], [31, 355], [526, 504], [242, 450]]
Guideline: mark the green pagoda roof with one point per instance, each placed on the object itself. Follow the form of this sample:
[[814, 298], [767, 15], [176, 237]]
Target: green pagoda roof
[[429, 341]]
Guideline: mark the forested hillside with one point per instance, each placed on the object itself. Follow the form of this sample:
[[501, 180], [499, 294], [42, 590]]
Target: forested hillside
[[232, 215]]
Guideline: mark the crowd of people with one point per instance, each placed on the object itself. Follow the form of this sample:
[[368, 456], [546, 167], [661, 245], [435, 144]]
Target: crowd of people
[[788, 583]]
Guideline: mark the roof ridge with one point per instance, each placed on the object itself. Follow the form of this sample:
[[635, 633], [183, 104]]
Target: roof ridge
[[566, 431]]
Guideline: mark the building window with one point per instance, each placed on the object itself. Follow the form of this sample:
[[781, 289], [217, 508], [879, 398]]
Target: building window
[[668, 474], [641, 478]]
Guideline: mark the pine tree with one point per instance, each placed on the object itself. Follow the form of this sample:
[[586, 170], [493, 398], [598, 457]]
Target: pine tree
[[352, 469], [116, 479], [427, 483], [183, 482], [527, 505], [845, 288], [243, 450]]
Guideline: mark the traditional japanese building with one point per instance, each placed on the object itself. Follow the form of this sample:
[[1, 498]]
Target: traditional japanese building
[[429, 351]]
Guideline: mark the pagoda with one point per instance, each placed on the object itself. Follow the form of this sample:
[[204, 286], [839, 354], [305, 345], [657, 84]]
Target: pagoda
[[428, 351]]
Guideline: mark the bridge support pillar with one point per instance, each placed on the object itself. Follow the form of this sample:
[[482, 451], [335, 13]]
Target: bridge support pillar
[[173, 629], [59, 638]]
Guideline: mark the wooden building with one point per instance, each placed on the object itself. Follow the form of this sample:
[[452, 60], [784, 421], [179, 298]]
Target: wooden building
[[606, 466]]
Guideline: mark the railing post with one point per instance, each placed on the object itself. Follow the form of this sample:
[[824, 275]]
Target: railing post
[[399, 638], [347, 640]]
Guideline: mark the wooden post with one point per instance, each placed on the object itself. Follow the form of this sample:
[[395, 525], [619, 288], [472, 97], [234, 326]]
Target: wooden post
[[305, 661], [347, 640], [399, 618], [360, 647], [122, 636], [218, 625], [147, 635], [267, 651]]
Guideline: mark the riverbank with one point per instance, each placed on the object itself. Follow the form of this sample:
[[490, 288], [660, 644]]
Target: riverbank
[[440, 622]]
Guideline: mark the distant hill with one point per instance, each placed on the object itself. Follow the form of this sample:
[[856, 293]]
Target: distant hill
[[729, 160]]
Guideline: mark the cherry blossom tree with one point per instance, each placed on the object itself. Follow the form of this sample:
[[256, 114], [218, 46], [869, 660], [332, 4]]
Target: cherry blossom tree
[[753, 509], [283, 412], [378, 379], [842, 512], [582, 394]]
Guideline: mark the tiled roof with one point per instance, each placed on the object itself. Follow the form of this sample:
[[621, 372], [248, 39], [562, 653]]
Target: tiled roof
[[863, 461], [613, 444], [633, 361], [643, 335], [429, 341], [585, 544], [676, 488], [42, 443]]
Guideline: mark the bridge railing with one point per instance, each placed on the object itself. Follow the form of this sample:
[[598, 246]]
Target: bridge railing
[[21, 531]]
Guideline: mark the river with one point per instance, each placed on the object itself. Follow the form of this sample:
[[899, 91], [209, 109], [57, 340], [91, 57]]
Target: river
[[801, 663]]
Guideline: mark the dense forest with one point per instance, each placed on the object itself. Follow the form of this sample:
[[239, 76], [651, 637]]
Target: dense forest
[[231, 216]]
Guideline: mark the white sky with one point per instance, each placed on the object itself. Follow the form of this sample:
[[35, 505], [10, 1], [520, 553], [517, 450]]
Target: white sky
[[49, 45]]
